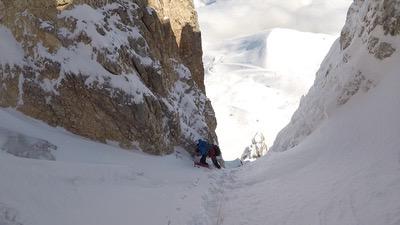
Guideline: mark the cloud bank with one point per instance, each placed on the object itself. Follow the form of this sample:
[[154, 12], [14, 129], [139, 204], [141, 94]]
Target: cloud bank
[[221, 19]]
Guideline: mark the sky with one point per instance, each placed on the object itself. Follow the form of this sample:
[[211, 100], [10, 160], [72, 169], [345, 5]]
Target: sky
[[221, 19]]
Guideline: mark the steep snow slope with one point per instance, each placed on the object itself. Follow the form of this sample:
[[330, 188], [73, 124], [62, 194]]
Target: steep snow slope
[[365, 54], [255, 82], [346, 172], [92, 183], [338, 160]]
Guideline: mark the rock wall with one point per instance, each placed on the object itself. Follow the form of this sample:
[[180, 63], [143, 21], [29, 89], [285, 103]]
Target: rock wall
[[186, 29], [110, 70], [366, 51]]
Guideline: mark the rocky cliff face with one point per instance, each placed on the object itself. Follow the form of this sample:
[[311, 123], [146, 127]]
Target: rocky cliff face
[[366, 51], [111, 70]]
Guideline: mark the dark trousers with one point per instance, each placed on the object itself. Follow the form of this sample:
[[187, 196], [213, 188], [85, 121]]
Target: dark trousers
[[203, 159]]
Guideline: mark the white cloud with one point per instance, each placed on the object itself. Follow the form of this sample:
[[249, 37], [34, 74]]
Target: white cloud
[[220, 19]]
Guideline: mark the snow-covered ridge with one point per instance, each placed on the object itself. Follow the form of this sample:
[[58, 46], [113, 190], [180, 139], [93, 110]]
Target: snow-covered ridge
[[365, 54]]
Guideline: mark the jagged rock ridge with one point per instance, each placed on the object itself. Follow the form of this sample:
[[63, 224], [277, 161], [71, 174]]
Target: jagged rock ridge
[[366, 51], [123, 71]]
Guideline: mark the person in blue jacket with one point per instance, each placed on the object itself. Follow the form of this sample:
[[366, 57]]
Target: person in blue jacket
[[206, 149]]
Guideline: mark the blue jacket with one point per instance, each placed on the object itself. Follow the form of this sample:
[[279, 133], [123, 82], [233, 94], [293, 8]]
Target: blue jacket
[[203, 147]]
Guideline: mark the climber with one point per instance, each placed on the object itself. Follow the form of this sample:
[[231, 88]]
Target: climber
[[206, 149]]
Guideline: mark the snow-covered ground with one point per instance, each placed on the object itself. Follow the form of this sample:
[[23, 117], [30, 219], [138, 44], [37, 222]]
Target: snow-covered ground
[[346, 172], [92, 183]]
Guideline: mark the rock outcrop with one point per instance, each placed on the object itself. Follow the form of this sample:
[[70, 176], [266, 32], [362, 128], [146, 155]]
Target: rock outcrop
[[26, 147], [257, 148], [366, 51], [110, 70]]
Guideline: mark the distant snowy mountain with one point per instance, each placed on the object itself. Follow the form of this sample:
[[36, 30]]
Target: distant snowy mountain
[[256, 73], [255, 82]]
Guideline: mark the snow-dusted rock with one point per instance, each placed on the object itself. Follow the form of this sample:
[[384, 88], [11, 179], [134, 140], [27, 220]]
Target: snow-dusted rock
[[257, 148], [123, 71], [26, 147], [365, 53]]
